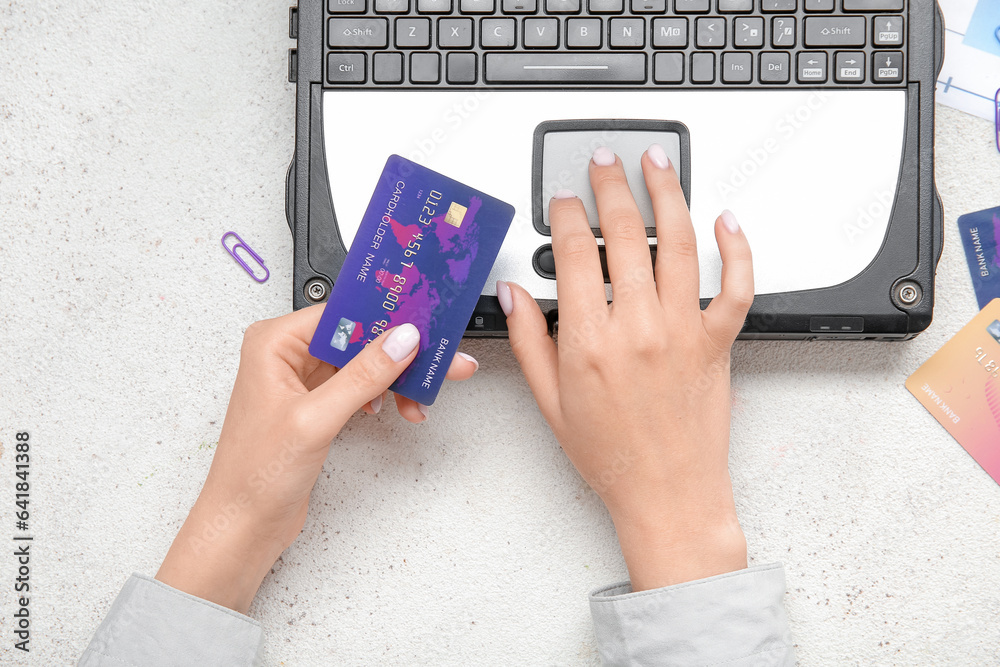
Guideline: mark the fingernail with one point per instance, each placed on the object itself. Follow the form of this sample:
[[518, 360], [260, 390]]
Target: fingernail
[[469, 357], [729, 221], [423, 410], [401, 342], [658, 156], [563, 194], [506, 298], [377, 404], [603, 157]]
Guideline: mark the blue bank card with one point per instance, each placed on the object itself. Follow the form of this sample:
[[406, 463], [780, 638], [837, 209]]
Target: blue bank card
[[980, 233], [423, 251]]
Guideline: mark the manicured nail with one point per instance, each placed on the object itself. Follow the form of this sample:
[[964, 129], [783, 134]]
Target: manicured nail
[[423, 410], [603, 157], [469, 357], [377, 404], [401, 342], [658, 156], [729, 221], [564, 194], [506, 298]]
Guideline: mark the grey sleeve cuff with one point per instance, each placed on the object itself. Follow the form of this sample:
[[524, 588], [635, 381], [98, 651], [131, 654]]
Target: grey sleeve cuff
[[153, 625], [736, 619]]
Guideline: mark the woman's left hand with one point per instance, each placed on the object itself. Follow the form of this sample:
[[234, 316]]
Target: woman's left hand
[[286, 408]]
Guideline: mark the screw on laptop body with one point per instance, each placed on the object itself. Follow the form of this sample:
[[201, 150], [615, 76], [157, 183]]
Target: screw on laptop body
[[909, 293], [316, 290]]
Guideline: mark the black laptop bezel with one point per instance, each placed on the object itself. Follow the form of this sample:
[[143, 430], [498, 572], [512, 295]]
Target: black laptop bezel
[[875, 304]]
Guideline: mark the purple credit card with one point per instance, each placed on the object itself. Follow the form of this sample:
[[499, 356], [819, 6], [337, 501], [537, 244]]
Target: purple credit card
[[981, 237], [422, 254]]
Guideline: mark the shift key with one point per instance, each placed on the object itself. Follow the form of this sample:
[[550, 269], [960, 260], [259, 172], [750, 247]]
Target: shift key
[[835, 31], [357, 33]]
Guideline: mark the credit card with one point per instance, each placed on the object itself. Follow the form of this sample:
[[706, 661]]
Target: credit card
[[960, 386], [423, 251], [980, 233]]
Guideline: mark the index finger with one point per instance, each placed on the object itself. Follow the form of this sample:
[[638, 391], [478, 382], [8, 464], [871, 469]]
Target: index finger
[[579, 278], [302, 323]]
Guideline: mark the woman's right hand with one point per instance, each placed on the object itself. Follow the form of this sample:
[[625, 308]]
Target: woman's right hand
[[637, 392]]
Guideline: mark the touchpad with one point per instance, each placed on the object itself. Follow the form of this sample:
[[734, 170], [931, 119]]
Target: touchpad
[[562, 152]]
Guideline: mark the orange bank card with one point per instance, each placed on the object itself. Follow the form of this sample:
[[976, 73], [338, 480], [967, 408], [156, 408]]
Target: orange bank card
[[960, 386]]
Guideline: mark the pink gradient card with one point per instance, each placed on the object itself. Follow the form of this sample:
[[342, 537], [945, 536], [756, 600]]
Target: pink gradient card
[[960, 386]]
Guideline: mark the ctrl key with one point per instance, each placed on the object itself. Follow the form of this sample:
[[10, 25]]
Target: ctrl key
[[345, 68]]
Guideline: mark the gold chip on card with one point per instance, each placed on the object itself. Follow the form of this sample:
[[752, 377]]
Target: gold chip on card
[[456, 214]]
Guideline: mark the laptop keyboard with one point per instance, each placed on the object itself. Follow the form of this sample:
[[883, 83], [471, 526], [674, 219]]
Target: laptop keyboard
[[615, 43]]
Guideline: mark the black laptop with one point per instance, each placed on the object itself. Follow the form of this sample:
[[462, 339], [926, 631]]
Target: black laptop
[[812, 120]]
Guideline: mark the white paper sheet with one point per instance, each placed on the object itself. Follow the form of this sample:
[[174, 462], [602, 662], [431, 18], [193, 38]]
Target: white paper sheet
[[971, 74]]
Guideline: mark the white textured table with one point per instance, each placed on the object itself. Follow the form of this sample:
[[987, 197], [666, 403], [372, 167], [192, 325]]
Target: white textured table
[[134, 134]]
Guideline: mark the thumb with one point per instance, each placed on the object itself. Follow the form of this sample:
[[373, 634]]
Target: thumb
[[328, 407], [533, 347]]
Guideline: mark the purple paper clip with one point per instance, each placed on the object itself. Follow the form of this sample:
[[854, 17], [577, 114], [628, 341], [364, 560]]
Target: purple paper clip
[[240, 243], [996, 107]]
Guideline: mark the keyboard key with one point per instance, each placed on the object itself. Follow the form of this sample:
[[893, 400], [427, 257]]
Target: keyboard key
[[583, 33], [735, 6], [691, 6], [562, 6], [425, 68], [461, 68], [606, 6], [778, 5], [347, 6], [627, 33], [392, 6], [455, 33], [819, 5], [358, 33], [835, 31], [497, 34], [702, 67], [477, 6], [649, 6], [345, 68], [849, 67], [541, 33], [737, 67], [388, 68], [670, 33], [888, 30], [873, 5], [748, 32], [413, 33], [887, 67], [711, 33], [774, 68], [668, 68], [520, 6], [433, 6], [783, 32], [583, 68], [812, 67]]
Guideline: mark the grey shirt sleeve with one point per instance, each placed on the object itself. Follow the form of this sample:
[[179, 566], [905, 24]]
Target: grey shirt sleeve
[[732, 620], [153, 625]]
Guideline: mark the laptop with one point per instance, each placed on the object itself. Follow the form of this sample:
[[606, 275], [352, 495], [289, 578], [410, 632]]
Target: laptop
[[812, 120]]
